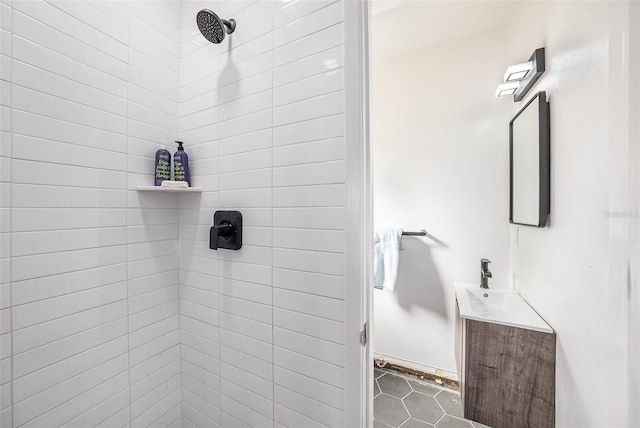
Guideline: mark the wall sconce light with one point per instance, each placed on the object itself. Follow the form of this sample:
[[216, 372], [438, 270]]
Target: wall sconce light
[[520, 78], [506, 89]]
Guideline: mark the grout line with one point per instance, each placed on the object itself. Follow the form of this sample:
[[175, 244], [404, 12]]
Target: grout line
[[10, 205]]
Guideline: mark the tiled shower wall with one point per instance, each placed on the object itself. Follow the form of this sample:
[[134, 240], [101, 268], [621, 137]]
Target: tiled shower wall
[[89, 294], [261, 115], [94, 329]]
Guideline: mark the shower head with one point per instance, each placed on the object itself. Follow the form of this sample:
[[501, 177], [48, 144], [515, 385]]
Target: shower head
[[212, 26]]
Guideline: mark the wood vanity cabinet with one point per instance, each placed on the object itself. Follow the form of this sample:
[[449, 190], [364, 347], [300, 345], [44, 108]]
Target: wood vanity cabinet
[[507, 374]]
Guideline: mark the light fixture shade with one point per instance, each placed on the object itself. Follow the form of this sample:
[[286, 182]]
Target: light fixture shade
[[506, 89], [518, 71]]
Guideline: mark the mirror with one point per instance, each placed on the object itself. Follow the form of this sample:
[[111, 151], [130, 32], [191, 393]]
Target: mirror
[[529, 144]]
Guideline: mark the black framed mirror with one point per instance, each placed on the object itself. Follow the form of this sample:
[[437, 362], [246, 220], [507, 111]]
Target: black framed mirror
[[529, 163]]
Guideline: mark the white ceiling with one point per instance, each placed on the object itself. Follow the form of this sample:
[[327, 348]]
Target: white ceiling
[[404, 25]]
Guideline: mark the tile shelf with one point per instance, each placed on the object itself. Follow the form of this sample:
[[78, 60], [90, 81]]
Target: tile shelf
[[169, 189]]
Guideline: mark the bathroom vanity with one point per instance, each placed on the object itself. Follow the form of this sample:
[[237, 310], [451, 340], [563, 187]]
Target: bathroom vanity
[[505, 354]]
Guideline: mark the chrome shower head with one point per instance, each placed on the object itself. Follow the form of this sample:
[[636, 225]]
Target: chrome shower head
[[212, 26]]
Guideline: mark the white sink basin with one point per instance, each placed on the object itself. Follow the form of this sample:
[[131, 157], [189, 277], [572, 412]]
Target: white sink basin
[[499, 306]]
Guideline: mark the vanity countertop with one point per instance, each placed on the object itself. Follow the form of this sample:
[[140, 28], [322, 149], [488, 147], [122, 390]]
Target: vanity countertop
[[499, 306]]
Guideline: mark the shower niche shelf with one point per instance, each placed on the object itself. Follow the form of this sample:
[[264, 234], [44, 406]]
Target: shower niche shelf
[[159, 189]]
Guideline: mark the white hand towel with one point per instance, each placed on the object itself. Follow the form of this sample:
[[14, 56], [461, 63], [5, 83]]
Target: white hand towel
[[386, 254]]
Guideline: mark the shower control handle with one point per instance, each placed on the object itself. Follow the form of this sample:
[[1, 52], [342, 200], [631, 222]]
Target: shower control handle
[[226, 231]]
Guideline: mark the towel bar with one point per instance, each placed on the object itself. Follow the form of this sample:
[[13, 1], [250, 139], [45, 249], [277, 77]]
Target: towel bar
[[421, 233]]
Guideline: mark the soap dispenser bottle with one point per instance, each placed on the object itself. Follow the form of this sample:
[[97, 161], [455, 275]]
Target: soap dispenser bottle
[[163, 165], [181, 165]]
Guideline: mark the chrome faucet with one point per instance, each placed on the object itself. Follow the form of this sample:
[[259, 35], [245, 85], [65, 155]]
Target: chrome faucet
[[485, 273]]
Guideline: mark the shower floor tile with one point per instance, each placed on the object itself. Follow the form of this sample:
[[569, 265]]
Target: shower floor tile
[[404, 401]]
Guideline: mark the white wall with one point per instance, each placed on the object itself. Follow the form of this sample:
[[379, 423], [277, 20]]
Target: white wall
[[575, 271], [440, 151], [89, 270], [261, 115]]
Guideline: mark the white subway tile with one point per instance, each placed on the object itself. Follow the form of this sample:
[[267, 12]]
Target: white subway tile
[[52, 375], [69, 282], [312, 130], [309, 24], [245, 414], [321, 84], [153, 331], [154, 347], [203, 376], [321, 328], [246, 290], [162, 403], [247, 327], [246, 105], [143, 302], [81, 403], [247, 398], [153, 364], [316, 42], [200, 312], [286, 11], [309, 218], [246, 272], [248, 86], [75, 26], [145, 318], [201, 390], [68, 89], [203, 101], [48, 128], [56, 307], [246, 124], [199, 296], [35, 359], [310, 239], [152, 83], [309, 304], [308, 282], [145, 267], [324, 350], [203, 345], [313, 408], [308, 366], [246, 143], [200, 359], [307, 109], [110, 405], [328, 195], [120, 419], [204, 407], [27, 243], [68, 45], [200, 328], [250, 198], [247, 380], [246, 309], [289, 418], [247, 345], [321, 62]]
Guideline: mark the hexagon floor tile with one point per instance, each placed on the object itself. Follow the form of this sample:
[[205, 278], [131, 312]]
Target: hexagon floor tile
[[396, 386], [429, 405], [450, 402], [389, 410], [423, 407]]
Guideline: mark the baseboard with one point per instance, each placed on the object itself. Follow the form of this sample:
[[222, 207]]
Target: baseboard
[[441, 377]]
